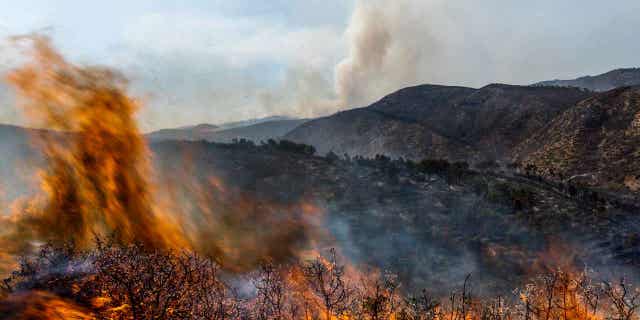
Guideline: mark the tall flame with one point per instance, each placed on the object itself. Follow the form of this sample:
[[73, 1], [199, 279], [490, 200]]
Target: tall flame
[[42, 305], [97, 177]]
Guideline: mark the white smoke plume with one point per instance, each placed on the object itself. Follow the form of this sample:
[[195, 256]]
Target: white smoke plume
[[387, 47]]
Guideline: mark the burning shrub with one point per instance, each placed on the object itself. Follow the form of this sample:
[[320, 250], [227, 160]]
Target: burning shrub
[[41, 305], [276, 297], [326, 280], [141, 283], [126, 282], [133, 281]]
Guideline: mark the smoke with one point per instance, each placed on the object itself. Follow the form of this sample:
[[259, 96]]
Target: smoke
[[383, 55], [384, 52], [304, 93], [300, 72]]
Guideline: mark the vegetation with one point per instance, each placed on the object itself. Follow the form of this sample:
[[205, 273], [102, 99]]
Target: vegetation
[[131, 282], [282, 145]]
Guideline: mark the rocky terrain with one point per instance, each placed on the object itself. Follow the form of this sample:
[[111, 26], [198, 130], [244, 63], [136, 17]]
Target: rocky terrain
[[597, 141]]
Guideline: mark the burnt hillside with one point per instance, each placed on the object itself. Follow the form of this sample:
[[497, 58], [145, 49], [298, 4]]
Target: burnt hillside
[[431, 222]]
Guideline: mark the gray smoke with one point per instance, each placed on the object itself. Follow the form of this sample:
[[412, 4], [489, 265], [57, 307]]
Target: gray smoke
[[382, 56]]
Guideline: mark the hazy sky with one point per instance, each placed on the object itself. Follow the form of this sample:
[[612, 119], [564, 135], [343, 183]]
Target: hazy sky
[[215, 61]]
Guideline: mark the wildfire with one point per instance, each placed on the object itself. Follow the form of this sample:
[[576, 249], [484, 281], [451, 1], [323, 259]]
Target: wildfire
[[97, 179], [171, 243], [42, 305]]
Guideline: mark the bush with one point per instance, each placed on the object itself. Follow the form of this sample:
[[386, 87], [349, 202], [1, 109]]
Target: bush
[[134, 282]]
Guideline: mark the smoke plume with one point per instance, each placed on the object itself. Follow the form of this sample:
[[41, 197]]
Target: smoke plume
[[382, 57]]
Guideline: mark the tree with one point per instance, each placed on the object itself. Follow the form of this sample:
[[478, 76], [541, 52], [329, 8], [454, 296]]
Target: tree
[[327, 280]]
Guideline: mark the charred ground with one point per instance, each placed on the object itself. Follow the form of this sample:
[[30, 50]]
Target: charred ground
[[432, 221]]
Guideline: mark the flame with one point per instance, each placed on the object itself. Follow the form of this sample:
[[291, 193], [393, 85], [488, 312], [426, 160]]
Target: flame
[[99, 181], [237, 228], [96, 182], [42, 305], [558, 295]]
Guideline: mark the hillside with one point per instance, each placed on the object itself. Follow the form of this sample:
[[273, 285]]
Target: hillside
[[597, 141], [440, 122], [430, 223], [602, 82]]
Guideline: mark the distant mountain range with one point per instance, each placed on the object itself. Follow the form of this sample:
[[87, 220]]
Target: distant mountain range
[[255, 129], [603, 82], [249, 122]]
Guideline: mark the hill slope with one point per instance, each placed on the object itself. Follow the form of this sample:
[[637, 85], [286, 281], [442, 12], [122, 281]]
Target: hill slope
[[597, 140], [431, 227], [440, 122]]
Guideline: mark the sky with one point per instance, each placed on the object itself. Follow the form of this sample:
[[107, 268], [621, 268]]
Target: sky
[[213, 61]]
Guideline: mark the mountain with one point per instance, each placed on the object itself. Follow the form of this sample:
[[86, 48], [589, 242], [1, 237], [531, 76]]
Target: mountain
[[244, 123], [255, 130], [603, 82], [262, 131], [432, 121], [597, 141], [197, 132]]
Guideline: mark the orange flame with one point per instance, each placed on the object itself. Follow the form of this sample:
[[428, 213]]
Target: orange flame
[[41, 305], [96, 183], [98, 179]]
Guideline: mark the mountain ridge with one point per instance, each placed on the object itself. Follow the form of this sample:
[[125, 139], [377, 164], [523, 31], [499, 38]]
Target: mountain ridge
[[255, 129], [597, 141], [433, 121], [602, 82]]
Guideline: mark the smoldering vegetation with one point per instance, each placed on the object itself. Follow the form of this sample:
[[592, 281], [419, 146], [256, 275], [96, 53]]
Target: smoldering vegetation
[[430, 222], [137, 282]]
